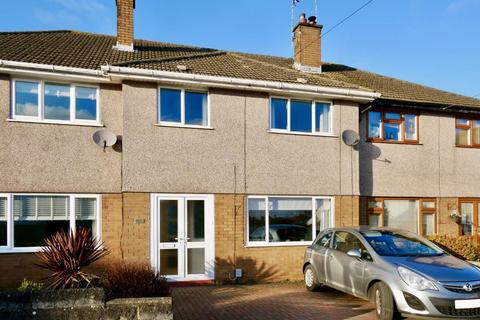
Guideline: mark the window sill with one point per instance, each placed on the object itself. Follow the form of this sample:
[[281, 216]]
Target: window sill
[[396, 142], [467, 147], [185, 126], [84, 124], [20, 250], [279, 244], [314, 134]]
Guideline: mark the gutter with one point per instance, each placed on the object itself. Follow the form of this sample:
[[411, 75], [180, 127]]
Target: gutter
[[47, 70], [122, 73], [116, 74]]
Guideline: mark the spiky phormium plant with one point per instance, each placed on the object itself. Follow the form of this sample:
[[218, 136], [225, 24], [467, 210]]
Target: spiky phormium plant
[[66, 254]]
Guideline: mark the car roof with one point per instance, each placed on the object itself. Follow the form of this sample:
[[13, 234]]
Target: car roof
[[364, 228]]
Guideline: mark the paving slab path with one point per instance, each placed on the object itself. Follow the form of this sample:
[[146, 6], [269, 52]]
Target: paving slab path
[[267, 302]]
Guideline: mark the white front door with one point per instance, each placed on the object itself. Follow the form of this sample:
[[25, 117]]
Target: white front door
[[183, 236]]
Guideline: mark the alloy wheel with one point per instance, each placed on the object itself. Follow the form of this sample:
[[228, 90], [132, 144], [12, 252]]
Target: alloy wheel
[[309, 277]]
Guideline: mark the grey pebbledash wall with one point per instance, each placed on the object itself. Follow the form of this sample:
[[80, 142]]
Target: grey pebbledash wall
[[38, 157], [168, 159], [434, 168]]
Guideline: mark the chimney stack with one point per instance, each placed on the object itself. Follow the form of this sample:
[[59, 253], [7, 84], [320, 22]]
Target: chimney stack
[[307, 45], [125, 25]]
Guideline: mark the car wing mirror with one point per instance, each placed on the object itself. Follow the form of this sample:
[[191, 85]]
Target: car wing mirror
[[355, 253]]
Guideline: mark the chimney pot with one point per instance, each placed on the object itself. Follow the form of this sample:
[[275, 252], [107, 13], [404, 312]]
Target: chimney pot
[[303, 18], [125, 24]]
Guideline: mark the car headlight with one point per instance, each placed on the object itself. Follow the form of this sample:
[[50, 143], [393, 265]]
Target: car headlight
[[415, 280]]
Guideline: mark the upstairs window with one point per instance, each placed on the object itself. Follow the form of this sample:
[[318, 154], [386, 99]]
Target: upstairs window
[[300, 116], [51, 102], [467, 132], [392, 127], [183, 107]]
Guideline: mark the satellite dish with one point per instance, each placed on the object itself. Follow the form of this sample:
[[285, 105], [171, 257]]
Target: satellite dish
[[104, 138], [350, 138]]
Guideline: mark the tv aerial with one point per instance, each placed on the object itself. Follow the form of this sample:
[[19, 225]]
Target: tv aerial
[[350, 138], [104, 138]]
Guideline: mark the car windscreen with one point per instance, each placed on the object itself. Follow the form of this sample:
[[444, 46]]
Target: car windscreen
[[390, 243]]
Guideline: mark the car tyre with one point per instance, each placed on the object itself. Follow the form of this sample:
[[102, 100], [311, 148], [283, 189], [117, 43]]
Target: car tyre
[[310, 279], [382, 298]]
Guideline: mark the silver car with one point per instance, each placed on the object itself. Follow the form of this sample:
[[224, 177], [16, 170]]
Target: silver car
[[400, 272]]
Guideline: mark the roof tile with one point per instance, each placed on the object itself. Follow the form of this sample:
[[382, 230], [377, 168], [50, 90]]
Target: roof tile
[[91, 51]]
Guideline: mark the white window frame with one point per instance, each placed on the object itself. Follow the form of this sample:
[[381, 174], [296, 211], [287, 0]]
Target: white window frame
[[313, 109], [182, 123], [7, 218], [41, 104], [72, 218], [267, 242]]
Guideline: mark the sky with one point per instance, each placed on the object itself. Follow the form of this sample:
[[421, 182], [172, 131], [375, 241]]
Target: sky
[[431, 42]]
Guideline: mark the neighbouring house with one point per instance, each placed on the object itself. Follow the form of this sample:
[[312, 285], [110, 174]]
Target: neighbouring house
[[224, 160]]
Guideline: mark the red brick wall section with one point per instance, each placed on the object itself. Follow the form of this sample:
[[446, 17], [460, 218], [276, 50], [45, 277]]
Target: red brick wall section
[[263, 264], [308, 46], [136, 227], [112, 226], [445, 225], [347, 211], [15, 267], [125, 22]]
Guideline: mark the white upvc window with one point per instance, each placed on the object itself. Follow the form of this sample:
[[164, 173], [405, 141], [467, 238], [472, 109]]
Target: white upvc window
[[287, 220], [55, 102], [300, 116], [27, 219], [183, 107]]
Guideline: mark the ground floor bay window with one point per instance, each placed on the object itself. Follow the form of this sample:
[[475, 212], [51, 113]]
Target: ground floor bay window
[[412, 214], [27, 219], [281, 221]]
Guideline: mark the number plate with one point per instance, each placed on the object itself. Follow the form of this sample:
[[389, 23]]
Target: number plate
[[467, 304]]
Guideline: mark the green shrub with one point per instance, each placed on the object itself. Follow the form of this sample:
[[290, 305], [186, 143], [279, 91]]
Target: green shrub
[[30, 285], [128, 280], [461, 247]]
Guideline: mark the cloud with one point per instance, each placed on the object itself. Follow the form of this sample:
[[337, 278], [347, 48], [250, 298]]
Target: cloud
[[58, 93], [460, 5], [80, 6], [85, 115], [49, 17], [68, 12], [57, 113], [26, 109]]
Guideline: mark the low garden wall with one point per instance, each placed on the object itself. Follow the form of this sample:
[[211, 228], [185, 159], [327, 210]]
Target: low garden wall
[[80, 304]]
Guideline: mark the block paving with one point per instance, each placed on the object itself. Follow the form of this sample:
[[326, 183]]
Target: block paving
[[282, 301]]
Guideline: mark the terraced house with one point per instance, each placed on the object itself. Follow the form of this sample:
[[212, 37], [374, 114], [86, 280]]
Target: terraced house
[[224, 160]]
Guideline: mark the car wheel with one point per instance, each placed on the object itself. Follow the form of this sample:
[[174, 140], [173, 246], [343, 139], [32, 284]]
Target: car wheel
[[310, 278], [382, 298]]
